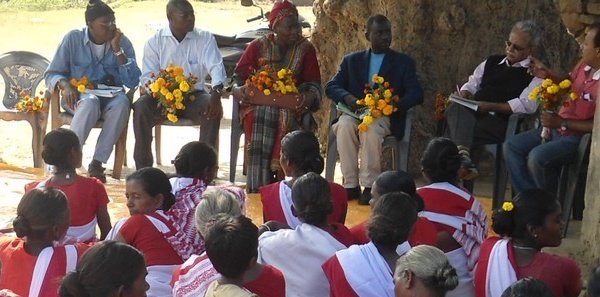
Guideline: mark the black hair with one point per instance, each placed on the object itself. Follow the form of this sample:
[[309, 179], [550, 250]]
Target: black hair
[[528, 287], [102, 269], [39, 210], [392, 219], [154, 181], [593, 285], [441, 160], [596, 26], [194, 159], [57, 147], [302, 148], [530, 207], [312, 199], [399, 181], [177, 4], [231, 242], [376, 18], [96, 9]]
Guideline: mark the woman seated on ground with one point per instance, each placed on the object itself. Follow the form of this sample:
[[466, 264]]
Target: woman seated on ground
[[532, 221], [424, 271], [86, 195], [31, 265], [149, 229], [267, 121], [299, 253], [108, 268], [193, 277], [460, 219], [196, 168], [424, 231], [367, 270], [299, 155]]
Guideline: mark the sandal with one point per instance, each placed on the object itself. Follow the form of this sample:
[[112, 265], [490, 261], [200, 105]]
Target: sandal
[[96, 170]]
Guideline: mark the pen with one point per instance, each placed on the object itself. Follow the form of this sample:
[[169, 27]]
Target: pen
[[457, 90]]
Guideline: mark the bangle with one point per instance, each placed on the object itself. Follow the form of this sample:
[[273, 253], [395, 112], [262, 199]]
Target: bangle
[[266, 226], [120, 52]]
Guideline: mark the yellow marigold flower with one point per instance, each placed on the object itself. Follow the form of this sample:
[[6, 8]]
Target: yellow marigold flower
[[73, 82], [177, 93], [360, 102], [154, 88], [376, 113], [81, 88], [378, 79], [164, 91], [267, 92], [169, 69], [388, 110], [534, 93], [367, 120], [547, 82], [508, 206], [387, 94], [179, 78], [169, 96], [362, 127], [160, 81], [281, 73], [573, 96], [381, 104], [173, 118], [565, 84], [288, 88], [553, 89], [179, 105], [178, 70], [84, 80], [184, 86]]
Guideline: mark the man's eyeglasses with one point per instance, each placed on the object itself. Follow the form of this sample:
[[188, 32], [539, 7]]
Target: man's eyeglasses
[[108, 24], [514, 46]]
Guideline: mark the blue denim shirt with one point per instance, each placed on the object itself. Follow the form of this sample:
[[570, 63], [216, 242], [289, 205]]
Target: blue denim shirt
[[74, 58]]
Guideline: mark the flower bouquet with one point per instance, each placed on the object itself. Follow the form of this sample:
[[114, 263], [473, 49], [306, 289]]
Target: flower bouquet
[[82, 84], [27, 103], [551, 97], [169, 89], [379, 101], [267, 86]]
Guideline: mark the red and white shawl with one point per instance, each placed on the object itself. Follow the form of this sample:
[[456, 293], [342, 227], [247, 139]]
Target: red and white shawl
[[458, 209]]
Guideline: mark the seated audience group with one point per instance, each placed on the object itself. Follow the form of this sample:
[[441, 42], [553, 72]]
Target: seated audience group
[[187, 237]]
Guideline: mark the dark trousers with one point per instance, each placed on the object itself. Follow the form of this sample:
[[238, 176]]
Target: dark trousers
[[467, 128], [146, 115]]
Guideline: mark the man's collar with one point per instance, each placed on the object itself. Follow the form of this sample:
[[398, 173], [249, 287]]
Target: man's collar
[[168, 33], [523, 63], [86, 35]]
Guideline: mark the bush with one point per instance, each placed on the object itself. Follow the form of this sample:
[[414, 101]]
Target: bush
[[44, 5]]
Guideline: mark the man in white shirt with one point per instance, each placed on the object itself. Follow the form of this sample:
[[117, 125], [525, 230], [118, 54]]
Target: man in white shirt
[[501, 86], [180, 44]]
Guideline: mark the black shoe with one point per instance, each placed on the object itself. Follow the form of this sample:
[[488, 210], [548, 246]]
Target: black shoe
[[365, 197], [468, 170], [353, 193], [96, 170]]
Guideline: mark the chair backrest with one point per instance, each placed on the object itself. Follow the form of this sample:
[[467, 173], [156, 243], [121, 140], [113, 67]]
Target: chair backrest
[[21, 71]]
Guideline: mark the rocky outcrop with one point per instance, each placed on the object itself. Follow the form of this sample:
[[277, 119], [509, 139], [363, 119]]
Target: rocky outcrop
[[447, 38]]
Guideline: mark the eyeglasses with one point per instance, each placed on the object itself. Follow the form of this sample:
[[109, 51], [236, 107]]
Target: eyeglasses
[[108, 24], [514, 46]]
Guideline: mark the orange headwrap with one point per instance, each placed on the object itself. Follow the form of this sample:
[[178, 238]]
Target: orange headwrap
[[281, 9]]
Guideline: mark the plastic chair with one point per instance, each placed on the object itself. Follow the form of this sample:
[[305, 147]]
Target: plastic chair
[[23, 71], [60, 118], [573, 178], [400, 148], [157, 133]]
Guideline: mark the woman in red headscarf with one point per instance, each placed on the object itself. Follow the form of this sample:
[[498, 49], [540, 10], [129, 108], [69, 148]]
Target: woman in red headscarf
[[266, 119]]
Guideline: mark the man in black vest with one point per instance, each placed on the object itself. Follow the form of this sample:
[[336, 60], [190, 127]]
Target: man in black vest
[[501, 85]]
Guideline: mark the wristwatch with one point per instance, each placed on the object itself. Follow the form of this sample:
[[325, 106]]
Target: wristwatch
[[120, 52], [218, 89], [564, 126]]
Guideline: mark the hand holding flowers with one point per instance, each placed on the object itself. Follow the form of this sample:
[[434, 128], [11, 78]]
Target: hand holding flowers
[[551, 97], [169, 89], [379, 101]]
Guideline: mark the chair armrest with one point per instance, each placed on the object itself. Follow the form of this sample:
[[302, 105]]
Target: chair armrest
[[514, 121]]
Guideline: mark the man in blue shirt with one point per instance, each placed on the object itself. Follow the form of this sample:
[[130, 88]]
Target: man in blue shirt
[[101, 53]]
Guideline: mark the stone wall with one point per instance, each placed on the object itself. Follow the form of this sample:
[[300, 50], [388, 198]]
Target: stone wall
[[447, 38]]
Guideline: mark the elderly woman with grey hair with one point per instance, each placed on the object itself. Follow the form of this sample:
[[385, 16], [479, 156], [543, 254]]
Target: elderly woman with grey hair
[[194, 276], [424, 271]]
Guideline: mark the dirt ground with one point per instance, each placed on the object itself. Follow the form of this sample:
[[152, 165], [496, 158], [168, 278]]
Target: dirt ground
[[41, 32]]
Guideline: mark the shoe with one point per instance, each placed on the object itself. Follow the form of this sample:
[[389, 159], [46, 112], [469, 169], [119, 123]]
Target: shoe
[[96, 170], [468, 170], [365, 197], [353, 193]]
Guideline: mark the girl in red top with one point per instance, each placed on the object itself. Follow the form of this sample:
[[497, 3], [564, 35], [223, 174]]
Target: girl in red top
[[86, 195], [299, 155], [527, 224], [33, 266]]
